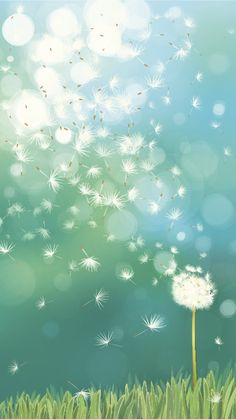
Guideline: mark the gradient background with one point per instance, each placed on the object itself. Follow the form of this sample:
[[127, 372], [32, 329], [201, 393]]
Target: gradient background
[[57, 344]]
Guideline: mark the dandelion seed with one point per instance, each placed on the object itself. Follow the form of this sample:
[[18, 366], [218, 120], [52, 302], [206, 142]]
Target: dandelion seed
[[28, 236], [227, 152], [73, 266], [215, 124], [196, 104], [199, 77], [174, 250], [23, 155], [175, 171], [154, 282], [218, 341], [189, 23], [47, 205], [215, 398], [129, 167], [174, 215], [166, 100], [94, 172], [89, 263], [126, 274], [15, 209], [80, 393], [49, 252], [69, 225], [43, 232], [54, 181], [143, 258], [13, 368], [154, 324], [6, 248], [41, 303], [155, 82], [140, 241], [153, 207], [181, 54], [132, 194], [114, 200], [104, 340], [100, 298]]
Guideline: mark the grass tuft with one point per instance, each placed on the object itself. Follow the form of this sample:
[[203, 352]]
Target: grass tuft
[[213, 397]]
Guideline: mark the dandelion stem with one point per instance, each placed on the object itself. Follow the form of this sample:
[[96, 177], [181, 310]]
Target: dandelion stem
[[194, 356]]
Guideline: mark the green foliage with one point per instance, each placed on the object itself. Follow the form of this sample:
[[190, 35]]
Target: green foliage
[[175, 400]]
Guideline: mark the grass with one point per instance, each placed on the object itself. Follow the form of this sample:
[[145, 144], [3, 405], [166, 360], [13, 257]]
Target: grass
[[173, 400]]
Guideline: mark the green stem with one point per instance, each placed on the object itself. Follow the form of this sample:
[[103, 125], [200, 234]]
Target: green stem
[[194, 355]]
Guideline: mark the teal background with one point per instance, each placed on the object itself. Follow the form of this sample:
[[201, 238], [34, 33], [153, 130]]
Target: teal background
[[58, 344]]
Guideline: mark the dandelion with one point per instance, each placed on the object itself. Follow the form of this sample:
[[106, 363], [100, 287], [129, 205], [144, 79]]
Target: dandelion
[[89, 263], [154, 324], [195, 293]]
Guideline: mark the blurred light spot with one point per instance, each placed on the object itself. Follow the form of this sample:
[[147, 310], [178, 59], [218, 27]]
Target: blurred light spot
[[123, 224], [228, 308], [219, 63], [219, 109], [217, 210], [181, 236]]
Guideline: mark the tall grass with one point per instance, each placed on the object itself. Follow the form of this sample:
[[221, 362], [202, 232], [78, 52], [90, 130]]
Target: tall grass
[[173, 400]]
